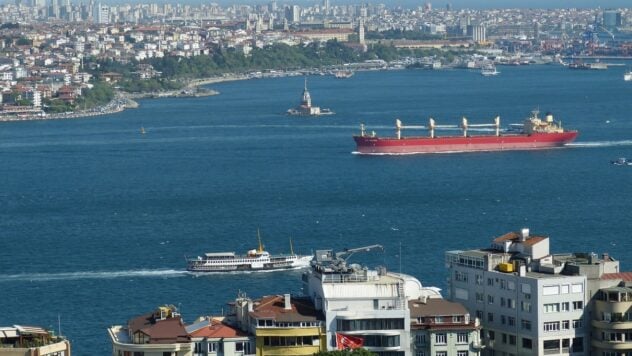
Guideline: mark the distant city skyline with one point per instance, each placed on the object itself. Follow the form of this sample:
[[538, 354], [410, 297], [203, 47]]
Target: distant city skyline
[[456, 4]]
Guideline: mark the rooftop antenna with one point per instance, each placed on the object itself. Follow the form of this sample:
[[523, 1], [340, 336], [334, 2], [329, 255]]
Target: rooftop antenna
[[400, 257]]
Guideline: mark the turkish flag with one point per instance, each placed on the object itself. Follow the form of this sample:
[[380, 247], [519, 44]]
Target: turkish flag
[[348, 342]]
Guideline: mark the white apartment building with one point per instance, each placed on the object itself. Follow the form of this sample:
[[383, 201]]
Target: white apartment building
[[367, 304], [529, 301]]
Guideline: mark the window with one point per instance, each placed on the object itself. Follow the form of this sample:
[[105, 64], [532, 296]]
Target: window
[[511, 304], [460, 276], [502, 301], [577, 323], [578, 305], [552, 326], [420, 339], [239, 346], [527, 343], [504, 337], [503, 284], [490, 299], [565, 288], [213, 347], [552, 308], [511, 321], [565, 306], [441, 353], [550, 290], [490, 281], [479, 314], [511, 285], [491, 335], [420, 353], [577, 288], [503, 319], [490, 317], [525, 306], [461, 338], [578, 344], [441, 339], [606, 317], [526, 324], [479, 279], [480, 297], [566, 324], [462, 353], [512, 339]]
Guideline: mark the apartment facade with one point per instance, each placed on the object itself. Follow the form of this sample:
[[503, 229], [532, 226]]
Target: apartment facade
[[281, 324], [370, 306], [442, 328], [528, 302]]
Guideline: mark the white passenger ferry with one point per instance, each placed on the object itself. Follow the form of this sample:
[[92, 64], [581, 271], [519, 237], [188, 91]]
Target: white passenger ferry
[[255, 260]]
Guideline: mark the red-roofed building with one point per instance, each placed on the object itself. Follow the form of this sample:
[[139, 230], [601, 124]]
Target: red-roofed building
[[161, 332], [283, 324], [211, 336]]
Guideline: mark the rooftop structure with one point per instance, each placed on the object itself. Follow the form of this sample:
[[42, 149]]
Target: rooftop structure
[[19, 340], [368, 305], [530, 302]]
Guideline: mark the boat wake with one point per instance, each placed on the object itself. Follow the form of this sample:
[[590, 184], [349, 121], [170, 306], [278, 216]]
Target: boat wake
[[40, 277], [600, 144]]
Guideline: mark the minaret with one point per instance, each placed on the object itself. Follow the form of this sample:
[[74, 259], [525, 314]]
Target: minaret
[[361, 31]]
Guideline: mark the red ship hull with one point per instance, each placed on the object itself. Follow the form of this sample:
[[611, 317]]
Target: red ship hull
[[409, 145]]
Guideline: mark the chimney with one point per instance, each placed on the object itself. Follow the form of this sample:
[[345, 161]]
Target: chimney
[[524, 234], [288, 304]]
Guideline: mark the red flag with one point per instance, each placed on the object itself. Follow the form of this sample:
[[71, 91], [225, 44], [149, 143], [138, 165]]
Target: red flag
[[348, 342]]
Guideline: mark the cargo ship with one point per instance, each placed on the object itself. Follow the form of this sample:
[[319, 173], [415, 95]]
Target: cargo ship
[[533, 133], [254, 260]]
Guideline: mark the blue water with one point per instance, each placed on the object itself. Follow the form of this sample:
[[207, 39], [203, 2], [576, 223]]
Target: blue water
[[95, 218]]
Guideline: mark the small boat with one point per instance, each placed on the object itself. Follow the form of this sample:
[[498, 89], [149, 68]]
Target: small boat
[[627, 76], [622, 162], [142, 130], [489, 69], [254, 260]]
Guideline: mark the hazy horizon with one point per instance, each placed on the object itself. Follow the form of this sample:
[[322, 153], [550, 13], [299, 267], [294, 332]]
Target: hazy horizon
[[456, 4]]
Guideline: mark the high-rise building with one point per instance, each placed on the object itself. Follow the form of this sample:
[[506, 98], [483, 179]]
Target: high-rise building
[[361, 31], [101, 14], [293, 13], [611, 19], [326, 7], [477, 32], [529, 301]]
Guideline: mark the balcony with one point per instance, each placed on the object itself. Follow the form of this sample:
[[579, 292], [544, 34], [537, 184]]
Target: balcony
[[612, 345], [611, 325]]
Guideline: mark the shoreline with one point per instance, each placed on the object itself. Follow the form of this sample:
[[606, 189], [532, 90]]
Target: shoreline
[[123, 101]]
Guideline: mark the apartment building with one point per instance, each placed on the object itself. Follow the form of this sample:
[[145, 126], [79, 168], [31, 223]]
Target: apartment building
[[20, 340], [442, 328], [281, 324], [529, 301], [369, 307]]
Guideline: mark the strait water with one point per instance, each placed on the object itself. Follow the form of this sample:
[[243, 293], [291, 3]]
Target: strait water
[[95, 218]]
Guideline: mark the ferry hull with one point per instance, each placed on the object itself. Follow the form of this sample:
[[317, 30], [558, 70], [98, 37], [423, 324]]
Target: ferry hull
[[410, 145], [201, 266]]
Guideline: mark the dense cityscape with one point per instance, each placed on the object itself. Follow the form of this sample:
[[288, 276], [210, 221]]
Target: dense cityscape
[[514, 295], [59, 58]]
